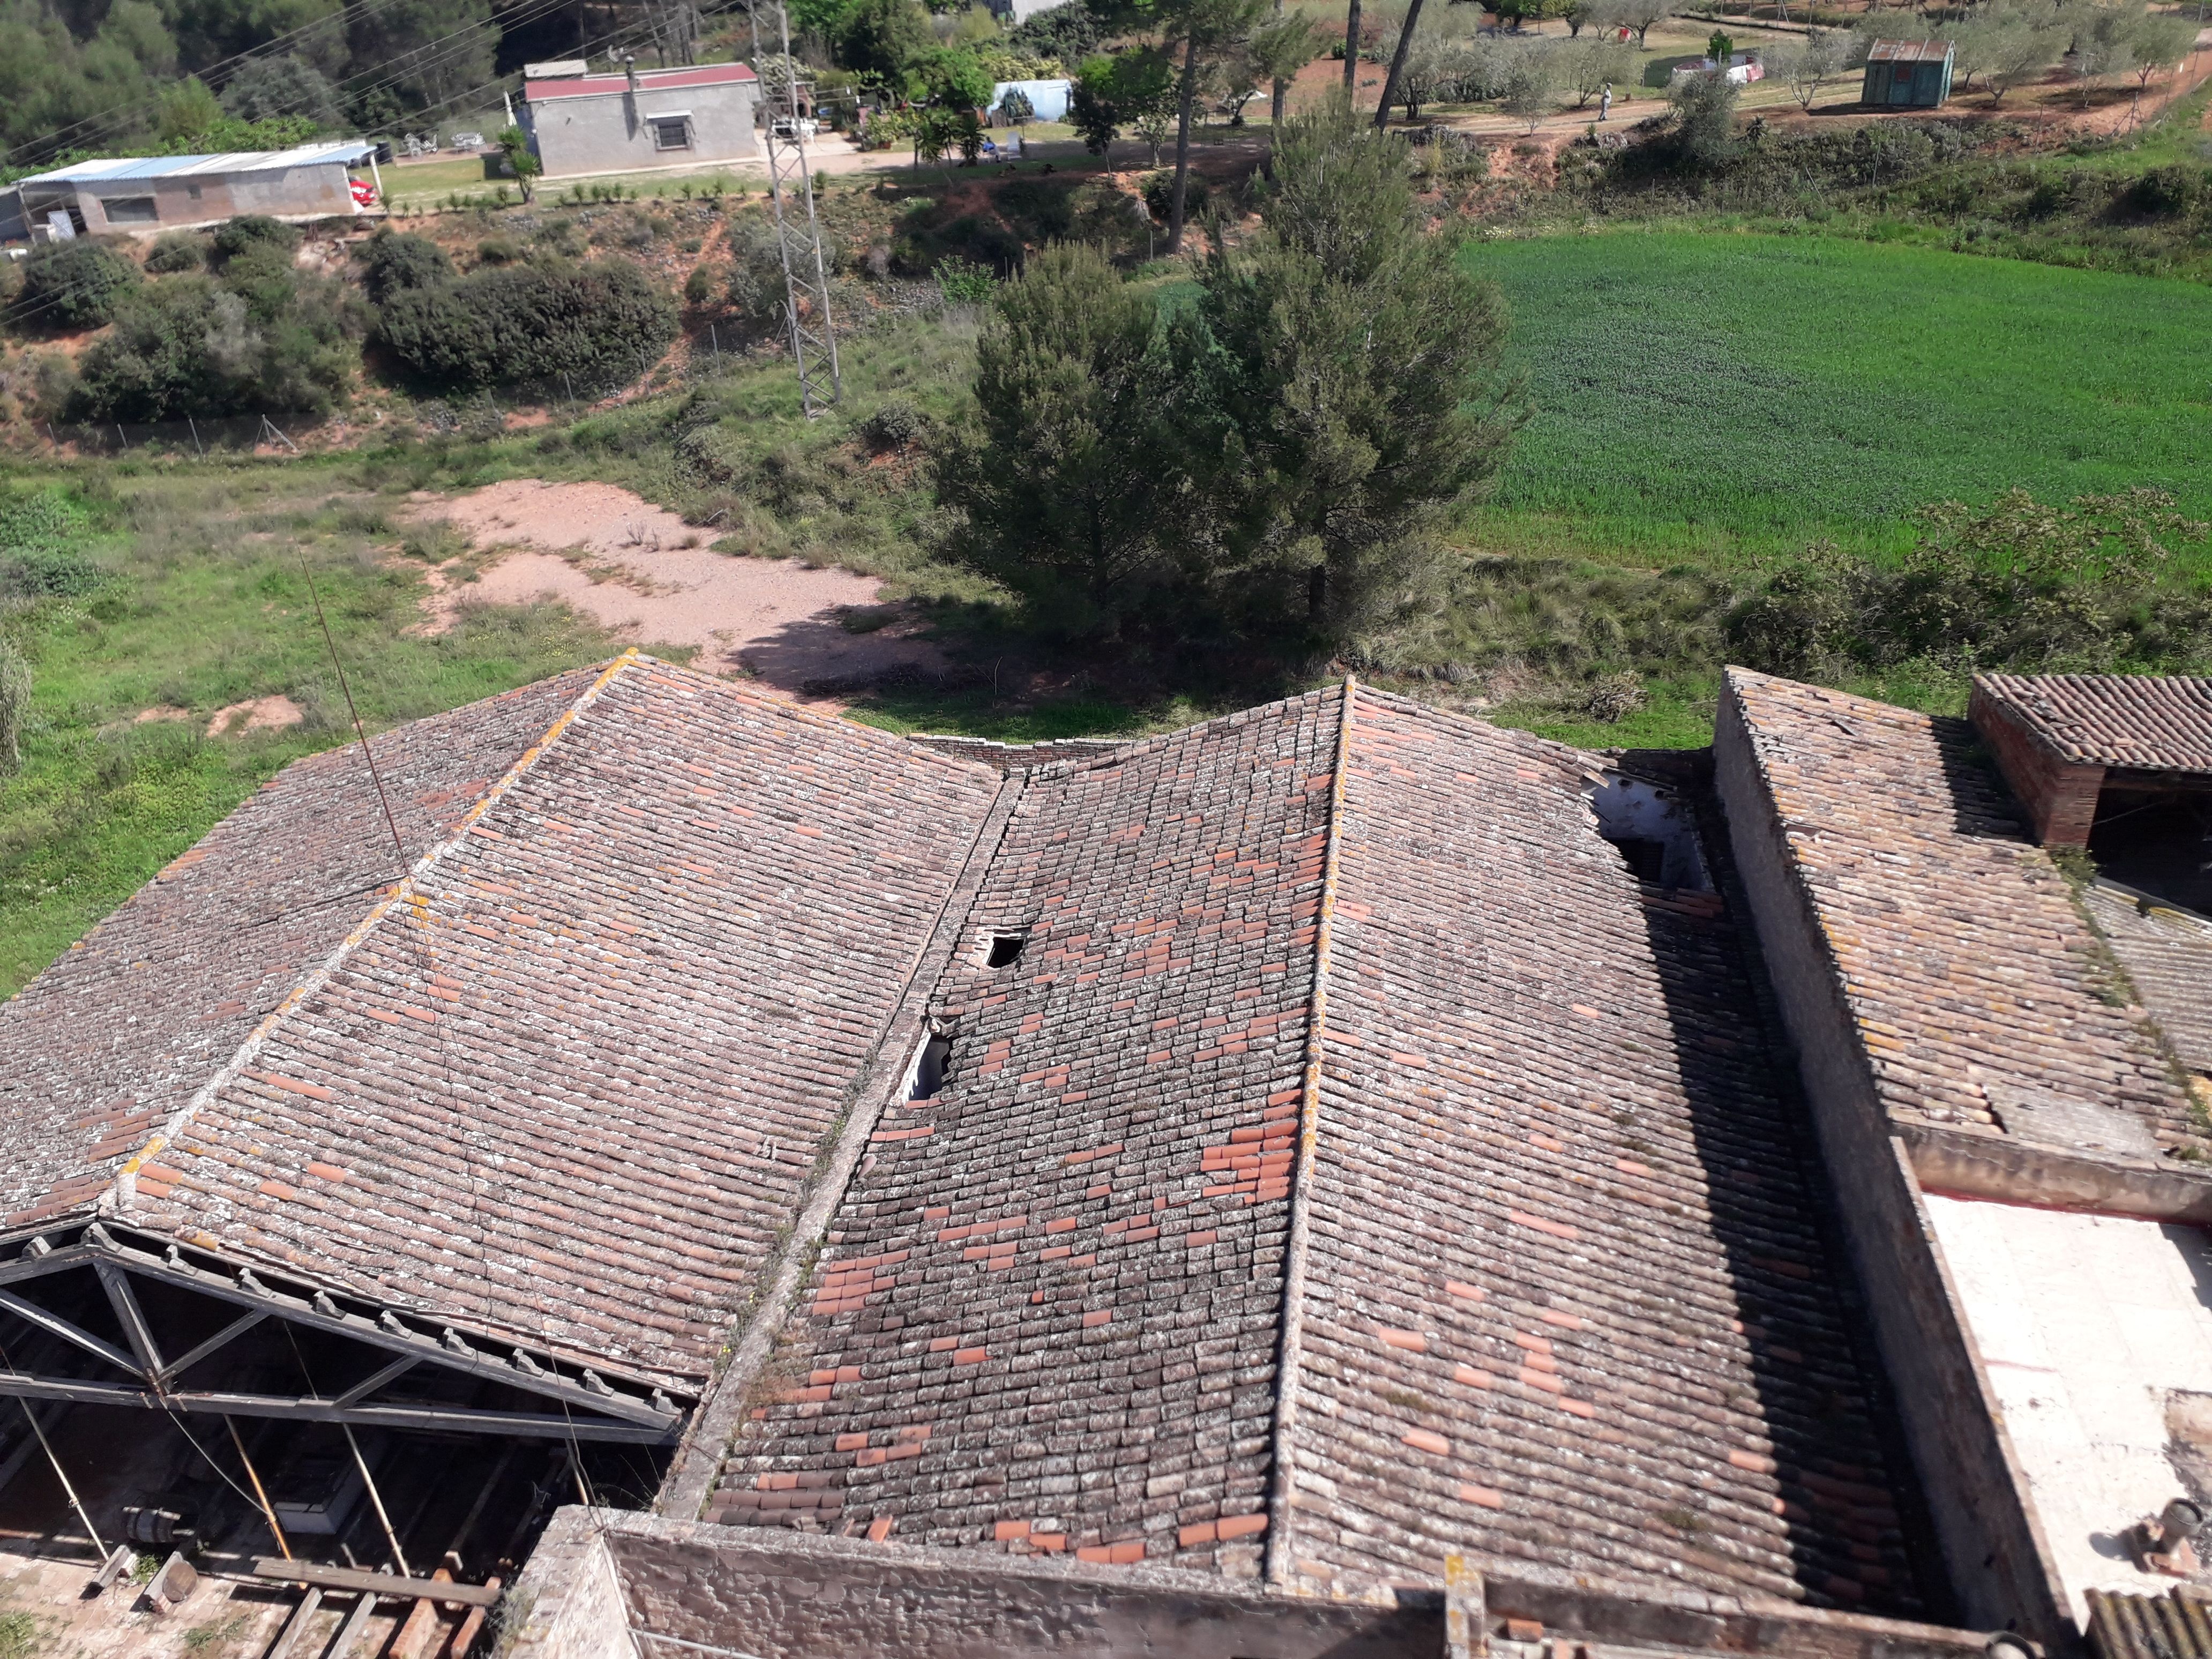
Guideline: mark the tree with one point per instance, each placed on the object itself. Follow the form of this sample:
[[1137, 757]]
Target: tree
[[1276, 52], [2104, 44], [1128, 89], [1091, 107], [185, 110], [1705, 118], [392, 261], [2019, 50], [1594, 64], [1397, 66], [1533, 78], [1823, 57], [521, 161], [1196, 30], [1065, 490], [429, 52], [1636, 15], [1339, 390], [878, 38], [2162, 40], [948, 77], [71, 285], [262, 87]]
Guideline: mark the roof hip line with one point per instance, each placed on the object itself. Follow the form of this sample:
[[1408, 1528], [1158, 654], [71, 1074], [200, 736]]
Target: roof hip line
[[1290, 1350], [122, 1191]]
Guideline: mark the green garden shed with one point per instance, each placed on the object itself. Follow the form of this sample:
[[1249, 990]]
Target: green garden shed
[[1907, 74]]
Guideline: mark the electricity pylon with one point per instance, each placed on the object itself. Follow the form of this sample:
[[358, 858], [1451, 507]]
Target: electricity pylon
[[805, 280]]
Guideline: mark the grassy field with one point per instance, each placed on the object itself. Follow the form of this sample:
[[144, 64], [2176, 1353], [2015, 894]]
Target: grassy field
[[1713, 395], [202, 603]]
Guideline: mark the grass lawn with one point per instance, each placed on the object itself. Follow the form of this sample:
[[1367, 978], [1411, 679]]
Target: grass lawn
[[204, 604], [1711, 395]]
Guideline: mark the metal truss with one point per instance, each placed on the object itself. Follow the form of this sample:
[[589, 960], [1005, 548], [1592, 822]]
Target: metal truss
[[589, 1405], [805, 278]]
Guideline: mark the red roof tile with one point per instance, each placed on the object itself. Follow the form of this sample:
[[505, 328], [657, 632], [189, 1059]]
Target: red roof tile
[[2146, 721]]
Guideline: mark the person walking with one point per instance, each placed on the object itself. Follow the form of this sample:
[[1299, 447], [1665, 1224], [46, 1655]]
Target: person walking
[[1605, 103]]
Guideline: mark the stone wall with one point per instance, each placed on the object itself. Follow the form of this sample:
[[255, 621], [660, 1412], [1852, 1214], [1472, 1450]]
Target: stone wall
[[602, 1584], [2000, 1567]]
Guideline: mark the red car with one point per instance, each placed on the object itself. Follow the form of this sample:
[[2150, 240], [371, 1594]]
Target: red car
[[364, 193]]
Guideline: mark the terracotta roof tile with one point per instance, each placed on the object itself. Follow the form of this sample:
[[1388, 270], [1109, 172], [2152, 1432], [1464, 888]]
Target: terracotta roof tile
[[2136, 720], [1968, 970]]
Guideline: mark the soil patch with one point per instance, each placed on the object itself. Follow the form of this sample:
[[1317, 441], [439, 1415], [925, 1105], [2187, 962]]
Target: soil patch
[[257, 715], [642, 572]]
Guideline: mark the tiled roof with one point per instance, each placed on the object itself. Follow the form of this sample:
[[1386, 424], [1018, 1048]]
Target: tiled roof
[[1049, 1307], [120, 1033], [2145, 721], [570, 1083], [1563, 1299], [2167, 953], [1971, 975], [1909, 52]]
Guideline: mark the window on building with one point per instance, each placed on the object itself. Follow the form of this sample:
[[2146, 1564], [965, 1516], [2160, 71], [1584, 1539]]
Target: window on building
[[1004, 950], [672, 132], [131, 210]]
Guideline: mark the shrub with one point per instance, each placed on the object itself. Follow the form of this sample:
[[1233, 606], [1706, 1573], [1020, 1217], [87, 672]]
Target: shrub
[[72, 285], [393, 262], [1159, 194], [755, 292], [1704, 119], [248, 231], [894, 425], [178, 250], [192, 347], [41, 550], [598, 325], [963, 282], [2167, 191]]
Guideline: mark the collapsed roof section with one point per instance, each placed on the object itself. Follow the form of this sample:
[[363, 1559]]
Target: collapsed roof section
[[1552, 1288], [561, 1088]]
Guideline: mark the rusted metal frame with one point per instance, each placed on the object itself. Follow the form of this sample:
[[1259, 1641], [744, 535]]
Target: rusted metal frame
[[54, 1325], [132, 1318], [221, 1338], [436, 1419], [392, 1333]]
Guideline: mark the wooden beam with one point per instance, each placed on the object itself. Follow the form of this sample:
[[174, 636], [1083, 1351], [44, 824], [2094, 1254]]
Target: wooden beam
[[376, 1379], [296, 1626], [223, 1337], [131, 1317], [54, 1325], [376, 1583], [429, 1419]]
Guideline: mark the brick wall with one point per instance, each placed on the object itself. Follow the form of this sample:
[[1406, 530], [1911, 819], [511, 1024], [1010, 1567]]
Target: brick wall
[[2000, 1567], [2060, 795]]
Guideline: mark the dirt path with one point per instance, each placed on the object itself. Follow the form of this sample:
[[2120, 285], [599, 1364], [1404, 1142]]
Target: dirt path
[[642, 572]]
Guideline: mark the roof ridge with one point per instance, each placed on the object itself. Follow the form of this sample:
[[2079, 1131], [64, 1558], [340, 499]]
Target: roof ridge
[[774, 702], [1144, 746], [1280, 1565], [122, 1188]]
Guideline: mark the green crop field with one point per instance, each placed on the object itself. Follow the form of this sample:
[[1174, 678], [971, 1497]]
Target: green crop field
[[1710, 394]]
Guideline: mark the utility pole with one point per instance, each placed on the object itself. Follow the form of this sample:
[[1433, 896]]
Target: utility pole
[[813, 340]]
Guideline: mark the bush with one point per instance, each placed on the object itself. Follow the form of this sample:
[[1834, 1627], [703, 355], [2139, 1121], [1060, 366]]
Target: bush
[[178, 250], [755, 291], [1704, 120], [894, 425], [393, 262], [598, 325], [192, 347], [72, 285], [249, 231], [1159, 194], [2165, 191], [41, 550]]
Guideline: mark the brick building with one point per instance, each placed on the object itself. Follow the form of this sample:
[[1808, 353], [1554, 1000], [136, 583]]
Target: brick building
[[1340, 1178]]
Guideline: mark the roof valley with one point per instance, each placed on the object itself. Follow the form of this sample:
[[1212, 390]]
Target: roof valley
[[122, 1191], [1282, 1500]]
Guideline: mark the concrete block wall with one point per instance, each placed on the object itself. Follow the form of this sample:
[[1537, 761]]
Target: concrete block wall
[[1999, 1565], [2060, 795]]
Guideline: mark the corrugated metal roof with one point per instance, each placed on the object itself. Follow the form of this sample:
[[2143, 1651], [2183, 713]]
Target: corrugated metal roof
[[167, 167], [2155, 722], [1909, 52], [601, 86], [2175, 1626]]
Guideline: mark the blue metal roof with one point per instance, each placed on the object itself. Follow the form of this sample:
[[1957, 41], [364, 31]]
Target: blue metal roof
[[164, 167]]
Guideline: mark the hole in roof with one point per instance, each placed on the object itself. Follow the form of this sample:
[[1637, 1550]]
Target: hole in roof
[[1004, 950], [927, 1075], [1651, 830]]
